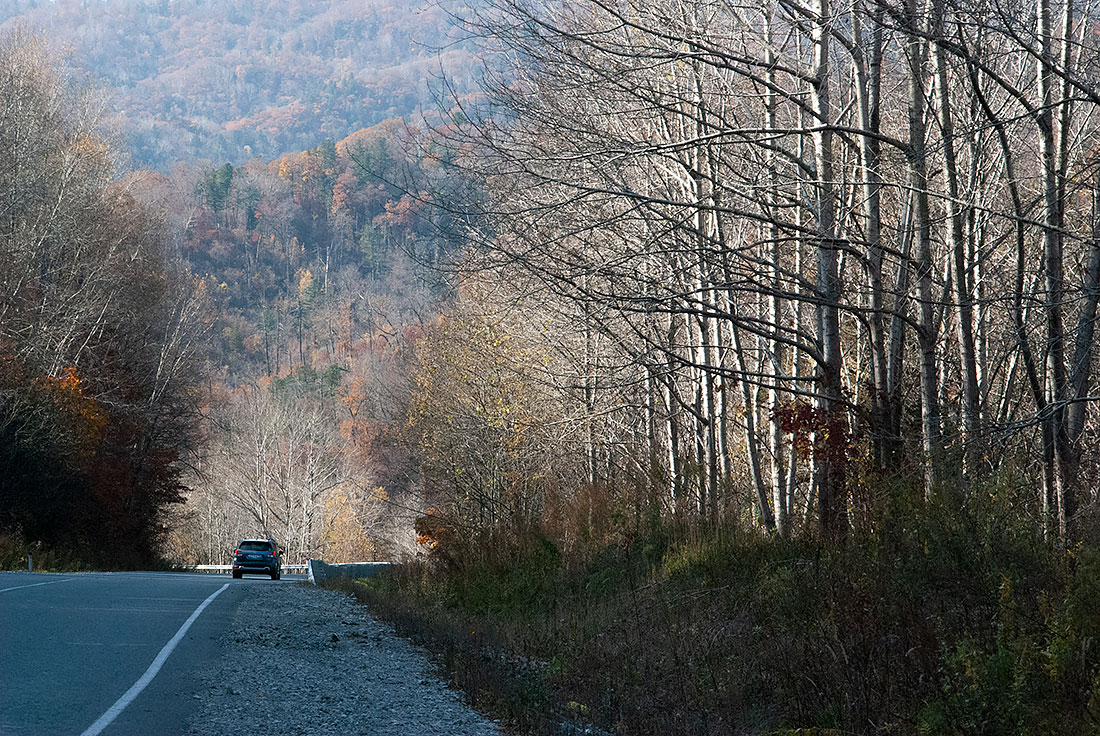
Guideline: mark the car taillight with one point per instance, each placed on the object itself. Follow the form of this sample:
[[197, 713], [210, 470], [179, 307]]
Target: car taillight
[[272, 554], [236, 551]]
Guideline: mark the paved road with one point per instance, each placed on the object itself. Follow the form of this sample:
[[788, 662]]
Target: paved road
[[73, 645]]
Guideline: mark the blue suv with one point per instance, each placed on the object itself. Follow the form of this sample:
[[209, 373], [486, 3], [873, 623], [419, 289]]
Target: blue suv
[[259, 556]]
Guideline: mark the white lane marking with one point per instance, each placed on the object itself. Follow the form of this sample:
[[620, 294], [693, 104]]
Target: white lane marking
[[34, 585], [135, 689]]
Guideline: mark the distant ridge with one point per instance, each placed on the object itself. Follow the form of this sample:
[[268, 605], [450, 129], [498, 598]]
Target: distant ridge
[[233, 80]]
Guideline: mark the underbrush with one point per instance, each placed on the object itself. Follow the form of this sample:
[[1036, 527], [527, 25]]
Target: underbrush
[[14, 550], [937, 621]]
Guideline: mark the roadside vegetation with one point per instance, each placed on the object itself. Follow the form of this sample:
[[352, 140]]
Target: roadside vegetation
[[16, 551], [938, 621]]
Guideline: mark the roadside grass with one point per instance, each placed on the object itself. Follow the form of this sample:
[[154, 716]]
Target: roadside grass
[[937, 621]]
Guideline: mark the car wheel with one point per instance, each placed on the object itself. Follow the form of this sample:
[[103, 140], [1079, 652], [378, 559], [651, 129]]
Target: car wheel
[[236, 575], [275, 576]]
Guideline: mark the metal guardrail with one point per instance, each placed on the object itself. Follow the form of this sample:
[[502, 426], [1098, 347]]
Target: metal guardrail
[[321, 571], [229, 568], [316, 570]]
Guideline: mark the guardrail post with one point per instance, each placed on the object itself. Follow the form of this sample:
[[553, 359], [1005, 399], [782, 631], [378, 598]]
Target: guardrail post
[[30, 563]]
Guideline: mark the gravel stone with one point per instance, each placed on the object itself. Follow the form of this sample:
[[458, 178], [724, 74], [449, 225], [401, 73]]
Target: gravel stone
[[302, 660]]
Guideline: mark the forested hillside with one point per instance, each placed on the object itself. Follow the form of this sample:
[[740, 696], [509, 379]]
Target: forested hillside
[[322, 276], [228, 81], [220, 353], [311, 260]]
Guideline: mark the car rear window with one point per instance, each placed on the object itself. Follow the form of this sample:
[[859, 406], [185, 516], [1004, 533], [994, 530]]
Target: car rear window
[[263, 546]]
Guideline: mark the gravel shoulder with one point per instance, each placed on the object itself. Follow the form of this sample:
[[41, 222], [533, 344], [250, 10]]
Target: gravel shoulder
[[303, 660]]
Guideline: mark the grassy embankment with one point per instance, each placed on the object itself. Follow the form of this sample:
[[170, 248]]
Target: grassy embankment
[[936, 623]]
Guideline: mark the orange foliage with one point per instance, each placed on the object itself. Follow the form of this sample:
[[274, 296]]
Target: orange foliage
[[67, 393], [432, 531], [401, 213], [342, 192]]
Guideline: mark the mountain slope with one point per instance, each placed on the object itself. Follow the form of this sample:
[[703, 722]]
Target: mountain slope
[[251, 78]]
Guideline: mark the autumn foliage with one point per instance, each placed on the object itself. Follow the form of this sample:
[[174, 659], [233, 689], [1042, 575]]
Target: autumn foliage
[[317, 265]]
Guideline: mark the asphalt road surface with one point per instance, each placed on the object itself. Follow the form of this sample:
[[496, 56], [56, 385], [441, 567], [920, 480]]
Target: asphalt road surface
[[110, 653]]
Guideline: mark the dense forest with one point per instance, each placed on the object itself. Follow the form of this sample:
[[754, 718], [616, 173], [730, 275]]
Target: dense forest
[[805, 261], [229, 81], [712, 369]]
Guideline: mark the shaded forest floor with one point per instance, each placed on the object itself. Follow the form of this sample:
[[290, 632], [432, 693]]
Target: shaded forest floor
[[936, 622]]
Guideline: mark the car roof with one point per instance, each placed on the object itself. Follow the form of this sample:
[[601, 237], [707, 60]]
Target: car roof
[[257, 540]]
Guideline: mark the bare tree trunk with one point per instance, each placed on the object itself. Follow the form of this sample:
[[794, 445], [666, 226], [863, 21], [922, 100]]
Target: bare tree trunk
[[672, 423], [956, 242], [780, 494], [868, 95], [832, 504], [1053, 267], [767, 516], [920, 223], [590, 387]]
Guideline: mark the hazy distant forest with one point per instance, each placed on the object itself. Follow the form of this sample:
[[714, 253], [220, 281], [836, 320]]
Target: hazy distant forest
[[229, 81], [770, 327]]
